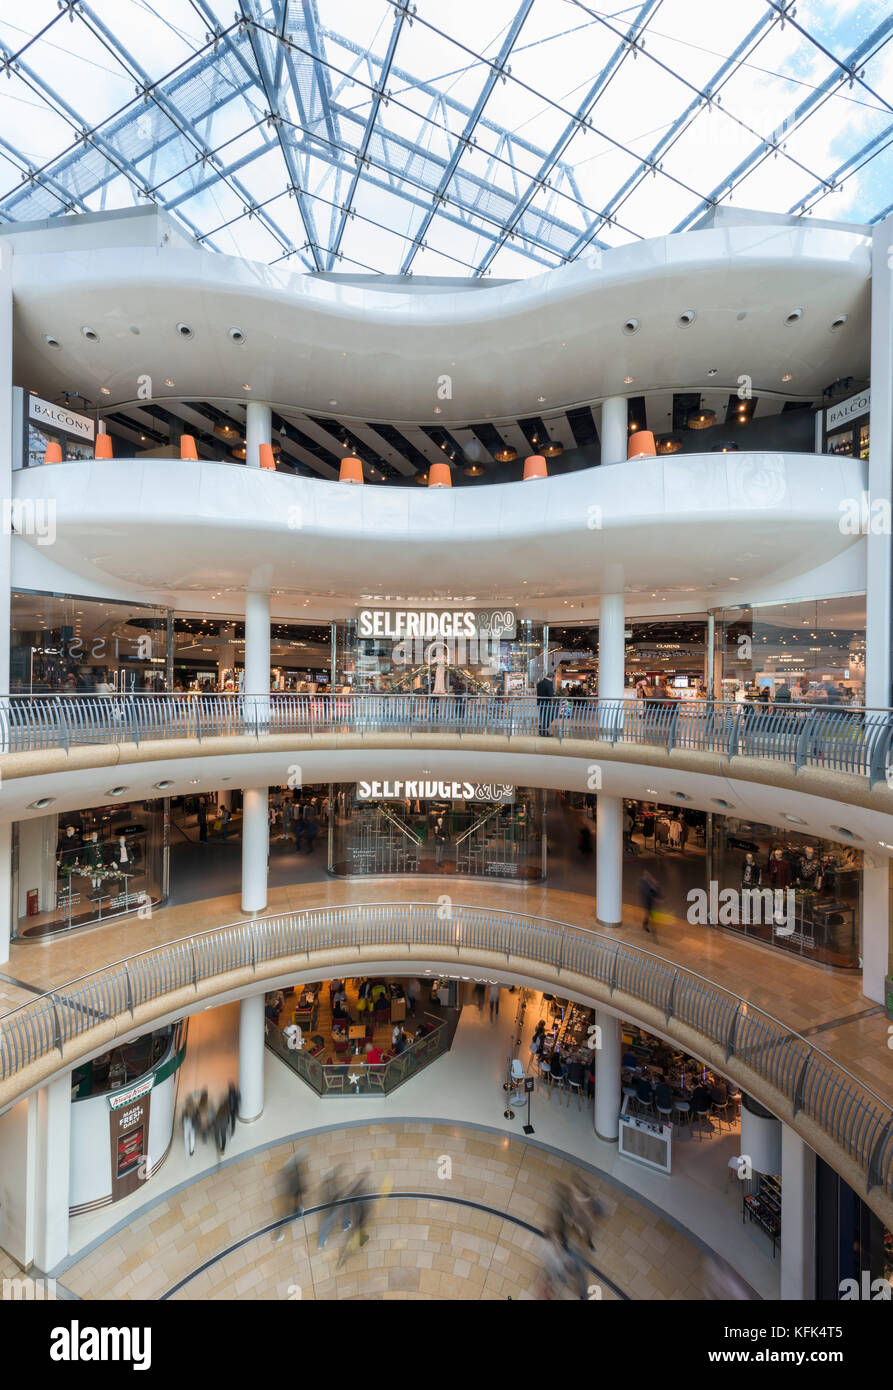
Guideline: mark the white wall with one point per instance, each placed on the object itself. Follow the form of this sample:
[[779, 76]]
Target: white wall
[[18, 1131]]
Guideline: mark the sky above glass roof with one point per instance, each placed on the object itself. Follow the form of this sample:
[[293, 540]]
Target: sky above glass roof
[[444, 137]]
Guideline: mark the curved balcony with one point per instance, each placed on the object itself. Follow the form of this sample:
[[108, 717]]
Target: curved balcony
[[654, 524], [58, 746], [836, 1113]]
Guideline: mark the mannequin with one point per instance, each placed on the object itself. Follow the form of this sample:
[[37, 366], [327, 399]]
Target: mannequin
[[750, 873], [68, 845], [93, 859], [809, 869], [779, 870]]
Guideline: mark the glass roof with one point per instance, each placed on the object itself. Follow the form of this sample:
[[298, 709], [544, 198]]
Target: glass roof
[[498, 138]]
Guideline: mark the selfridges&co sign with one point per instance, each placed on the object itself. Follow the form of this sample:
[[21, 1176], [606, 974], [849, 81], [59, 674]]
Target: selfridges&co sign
[[432, 636], [400, 623], [434, 791]]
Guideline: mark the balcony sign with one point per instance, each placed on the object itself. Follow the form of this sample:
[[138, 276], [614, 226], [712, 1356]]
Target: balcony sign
[[59, 417]]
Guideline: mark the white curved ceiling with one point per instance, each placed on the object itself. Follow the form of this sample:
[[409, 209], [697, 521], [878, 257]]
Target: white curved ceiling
[[674, 524], [455, 356]]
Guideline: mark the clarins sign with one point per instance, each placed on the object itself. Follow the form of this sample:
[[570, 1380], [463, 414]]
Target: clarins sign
[[59, 417], [399, 623], [847, 410]]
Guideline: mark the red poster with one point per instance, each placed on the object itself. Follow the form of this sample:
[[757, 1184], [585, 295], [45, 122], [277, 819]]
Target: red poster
[[130, 1150]]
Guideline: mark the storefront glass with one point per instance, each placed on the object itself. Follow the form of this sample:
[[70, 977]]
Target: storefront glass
[[209, 654], [489, 658], [80, 644], [79, 869], [816, 887], [491, 832], [812, 651]]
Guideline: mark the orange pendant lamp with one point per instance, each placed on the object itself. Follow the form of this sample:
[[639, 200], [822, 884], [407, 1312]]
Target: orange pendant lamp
[[53, 452], [266, 456], [641, 445], [534, 467], [439, 475], [187, 448], [103, 448], [351, 471]]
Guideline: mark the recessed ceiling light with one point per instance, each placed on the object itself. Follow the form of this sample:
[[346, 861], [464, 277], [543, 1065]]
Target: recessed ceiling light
[[733, 579], [630, 326], [333, 402], [787, 376], [627, 381], [686, 318], [167, 381], [194, 781], [162, 785], [105, 390], [839, 321], [51, 341], [794, 316], [245, 386], [40, 803], [795, 820], [90, 334], [652, 791], [116, 791]]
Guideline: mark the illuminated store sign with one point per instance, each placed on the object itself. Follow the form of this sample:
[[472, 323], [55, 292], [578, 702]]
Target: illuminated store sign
[[434, 791], [400, 623], [850, 409], [58, 417], [118, 1099]]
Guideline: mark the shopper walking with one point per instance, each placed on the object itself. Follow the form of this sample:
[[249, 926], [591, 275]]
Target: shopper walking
[[224, 820], [649, 892], [333, 1189], [202, 822], [413, 990], [221, 1127], [233, 1099], [545, 692], [189, 1126], [493, 996]]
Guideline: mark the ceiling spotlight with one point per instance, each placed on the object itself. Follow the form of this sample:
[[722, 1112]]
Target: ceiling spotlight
[[105, 391], [793, 317], [787, 376], [236, 335], [631, 326], [41, 803], [711, 371], [116, 791], [184, 330], [162, 786], [51, 341], [686, 318], [90, 334], [839, 322], [245, 386], [627, 381], [167, 381]]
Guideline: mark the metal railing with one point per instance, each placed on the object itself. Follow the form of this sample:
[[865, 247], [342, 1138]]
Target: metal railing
[[857, 1120], [354, 1076], [840, 738]]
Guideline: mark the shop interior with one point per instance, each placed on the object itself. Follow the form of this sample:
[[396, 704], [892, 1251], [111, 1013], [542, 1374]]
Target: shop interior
[[501, 838], [81, 645], [451, 666], [209, 655], [126, 1065], [85, 867]]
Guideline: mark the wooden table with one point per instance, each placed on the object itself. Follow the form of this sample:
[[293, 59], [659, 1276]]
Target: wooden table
[[356, 1031]]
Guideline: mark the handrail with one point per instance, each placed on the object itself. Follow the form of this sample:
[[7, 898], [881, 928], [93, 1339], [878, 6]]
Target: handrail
[[837, 738], [849, 1112]]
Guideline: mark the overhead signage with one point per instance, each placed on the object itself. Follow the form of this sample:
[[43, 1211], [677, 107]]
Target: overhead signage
[[118, 1099], [400, 623], [845, 411], [423, 790], [59, 417]]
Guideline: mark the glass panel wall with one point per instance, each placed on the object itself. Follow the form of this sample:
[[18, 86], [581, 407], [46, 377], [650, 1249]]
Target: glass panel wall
[[81, 644], [492, 832], [209, 654], [816, 887], [483, 664], [79, 869], [812, 651]]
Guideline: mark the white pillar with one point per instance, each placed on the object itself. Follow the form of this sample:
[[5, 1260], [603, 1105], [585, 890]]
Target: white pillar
[[6, 384], [53, 1161], [606, 1112], [797, 1268], [876, 961], [255, 848], [615, 429], [6, 904], [258, 430], [878, 629], [609, 809], [256, 688], [251, 1058], [38, 837]]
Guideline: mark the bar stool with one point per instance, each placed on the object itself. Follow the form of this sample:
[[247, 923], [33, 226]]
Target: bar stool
[[665, 1114], [703, 1117], [682, 1111], [546, 1075], [633, 1099]]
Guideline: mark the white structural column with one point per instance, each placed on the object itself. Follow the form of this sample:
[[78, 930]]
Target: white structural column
[[797, 1217], [6, 907], [52, 1166], [255, 848], [255, 825], [609, 809], [606, 1111], [258, 430], [877, 960], [251, 1058], [615, 429]]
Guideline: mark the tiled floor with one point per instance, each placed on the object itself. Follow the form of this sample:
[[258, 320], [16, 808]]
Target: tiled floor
[[800, 994], [418, 1248], [462, 1094]]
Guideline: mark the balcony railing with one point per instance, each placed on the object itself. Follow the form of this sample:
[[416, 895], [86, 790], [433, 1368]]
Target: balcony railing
[[354, 1076], [833, 737], [851, 1115]]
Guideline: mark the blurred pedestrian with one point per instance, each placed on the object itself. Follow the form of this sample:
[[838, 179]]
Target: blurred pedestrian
[[333, 1189], [493, 994], [649, 892], [188, 1120], [233, 1100], [221, 1127]]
